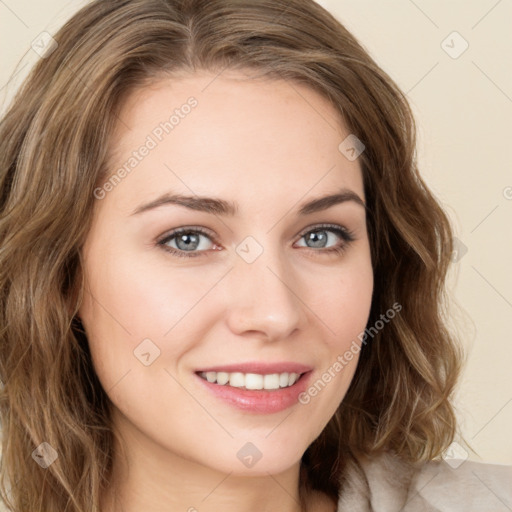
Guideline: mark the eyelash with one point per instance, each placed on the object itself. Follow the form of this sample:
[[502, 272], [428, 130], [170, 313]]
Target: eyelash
[[341, 232]]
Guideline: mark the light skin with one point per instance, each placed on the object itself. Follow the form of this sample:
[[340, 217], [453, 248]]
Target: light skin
[[270, 148]]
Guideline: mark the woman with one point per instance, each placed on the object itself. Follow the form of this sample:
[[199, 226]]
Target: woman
[[222, 274]]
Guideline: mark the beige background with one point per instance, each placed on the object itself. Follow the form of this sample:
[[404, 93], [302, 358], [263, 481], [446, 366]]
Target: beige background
[[464, 110]]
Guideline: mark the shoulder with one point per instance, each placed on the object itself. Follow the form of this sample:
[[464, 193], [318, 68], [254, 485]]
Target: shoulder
[[388, 484]]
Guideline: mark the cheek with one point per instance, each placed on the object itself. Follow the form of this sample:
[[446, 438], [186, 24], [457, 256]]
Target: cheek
[[342, 304], [134, 299], [146, 296], [342, 300]]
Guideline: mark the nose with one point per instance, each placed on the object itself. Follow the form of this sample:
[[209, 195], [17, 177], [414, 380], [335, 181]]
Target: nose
[[262, 299]]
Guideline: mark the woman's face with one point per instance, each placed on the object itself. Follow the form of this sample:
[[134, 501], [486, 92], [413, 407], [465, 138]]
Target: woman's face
[[251, 291]]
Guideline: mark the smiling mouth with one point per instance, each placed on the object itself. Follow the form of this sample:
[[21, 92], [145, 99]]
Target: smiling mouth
[[252, 381]]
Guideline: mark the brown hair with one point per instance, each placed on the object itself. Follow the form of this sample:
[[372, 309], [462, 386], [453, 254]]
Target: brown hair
[[53, 152]]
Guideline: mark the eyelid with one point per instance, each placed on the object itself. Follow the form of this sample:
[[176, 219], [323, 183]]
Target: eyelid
[[162, 240], [347, 234], [344, 233]]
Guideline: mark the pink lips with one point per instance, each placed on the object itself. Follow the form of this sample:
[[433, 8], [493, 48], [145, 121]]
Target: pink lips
[[259, 401]]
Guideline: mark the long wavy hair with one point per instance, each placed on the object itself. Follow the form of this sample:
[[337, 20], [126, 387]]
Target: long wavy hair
[[54, 142]]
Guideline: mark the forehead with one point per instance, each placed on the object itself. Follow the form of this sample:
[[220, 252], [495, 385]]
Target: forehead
[[225, 134]]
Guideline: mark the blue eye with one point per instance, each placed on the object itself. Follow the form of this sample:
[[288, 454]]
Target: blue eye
[[322, 235], [187, 242]]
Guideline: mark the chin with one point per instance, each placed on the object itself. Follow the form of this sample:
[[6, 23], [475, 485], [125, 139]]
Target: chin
[[257, 457]]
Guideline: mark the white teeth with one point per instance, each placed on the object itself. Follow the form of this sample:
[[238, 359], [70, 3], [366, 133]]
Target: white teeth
[[271, 381], [252, 380], [292, 378], [222, 377], [237, 380]]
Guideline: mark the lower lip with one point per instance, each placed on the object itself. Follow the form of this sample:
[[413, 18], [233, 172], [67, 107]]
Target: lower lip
[[259, 400]]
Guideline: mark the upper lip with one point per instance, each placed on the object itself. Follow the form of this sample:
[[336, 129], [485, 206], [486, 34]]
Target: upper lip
[[259, 368]]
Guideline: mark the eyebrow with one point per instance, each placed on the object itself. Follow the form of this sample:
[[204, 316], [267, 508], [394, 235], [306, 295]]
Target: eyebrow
[[228, 208]]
